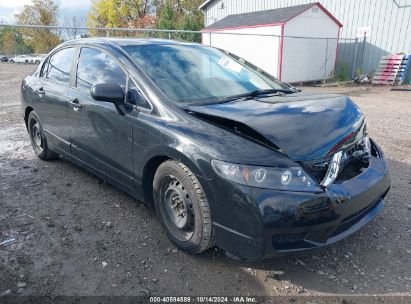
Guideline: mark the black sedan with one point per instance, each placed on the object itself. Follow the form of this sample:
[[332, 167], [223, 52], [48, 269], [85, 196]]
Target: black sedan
[[228, 155], [3, 58]]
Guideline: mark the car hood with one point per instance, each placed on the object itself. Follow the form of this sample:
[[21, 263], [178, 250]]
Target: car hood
[[305, 126]]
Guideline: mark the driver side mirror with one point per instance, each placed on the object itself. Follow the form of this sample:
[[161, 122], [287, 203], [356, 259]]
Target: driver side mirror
[[108, 92]]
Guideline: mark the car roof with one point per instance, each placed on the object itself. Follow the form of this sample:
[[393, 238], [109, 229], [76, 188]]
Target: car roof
[[126, 41]]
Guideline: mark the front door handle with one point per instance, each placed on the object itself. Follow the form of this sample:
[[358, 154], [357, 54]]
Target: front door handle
[[76, 104], [41, 91]]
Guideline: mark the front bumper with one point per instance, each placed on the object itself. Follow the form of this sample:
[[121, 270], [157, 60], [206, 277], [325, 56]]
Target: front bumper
[[253, 223]]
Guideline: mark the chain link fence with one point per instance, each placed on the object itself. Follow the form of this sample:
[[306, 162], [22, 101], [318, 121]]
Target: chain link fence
[[293, 59]]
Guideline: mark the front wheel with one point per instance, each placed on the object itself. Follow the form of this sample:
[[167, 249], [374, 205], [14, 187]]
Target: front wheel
[[183, 208], [38, 139]]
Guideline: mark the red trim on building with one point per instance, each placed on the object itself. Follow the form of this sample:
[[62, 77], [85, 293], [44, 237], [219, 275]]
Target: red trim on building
[[329, 14], [241, 27], [280, 64]]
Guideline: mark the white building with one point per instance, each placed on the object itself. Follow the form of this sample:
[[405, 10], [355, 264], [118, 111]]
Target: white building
[[388, 20], [276, 45]]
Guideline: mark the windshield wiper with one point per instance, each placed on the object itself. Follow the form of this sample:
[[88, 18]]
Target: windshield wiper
[[268, 91], [244, 96], [256, 93]]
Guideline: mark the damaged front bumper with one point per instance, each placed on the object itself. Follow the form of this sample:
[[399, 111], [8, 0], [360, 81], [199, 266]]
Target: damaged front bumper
[[254, 223]]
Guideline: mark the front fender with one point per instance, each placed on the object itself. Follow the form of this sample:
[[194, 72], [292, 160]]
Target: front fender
[[187, 154]]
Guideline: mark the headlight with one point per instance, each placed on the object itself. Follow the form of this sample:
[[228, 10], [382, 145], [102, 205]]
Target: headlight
[[291, 179]]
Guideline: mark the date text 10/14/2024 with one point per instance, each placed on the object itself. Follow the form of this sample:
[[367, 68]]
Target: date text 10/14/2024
[[203, 299]]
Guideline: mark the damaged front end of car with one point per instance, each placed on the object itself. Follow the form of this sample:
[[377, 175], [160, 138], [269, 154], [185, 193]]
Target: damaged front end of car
[[335, 185]]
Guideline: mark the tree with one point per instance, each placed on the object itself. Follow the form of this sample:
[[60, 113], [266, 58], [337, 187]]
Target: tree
[[167, 16], [192, 17], [12, 43], [40, 12], [120, 13], [146, 14], [8, 43], [180, 15], [136, 9]]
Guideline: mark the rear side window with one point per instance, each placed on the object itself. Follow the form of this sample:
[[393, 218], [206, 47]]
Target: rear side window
[[58, 66], [95, 67]]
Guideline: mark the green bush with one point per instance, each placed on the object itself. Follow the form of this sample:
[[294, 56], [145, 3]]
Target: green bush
[[358, 71], [342, 72]]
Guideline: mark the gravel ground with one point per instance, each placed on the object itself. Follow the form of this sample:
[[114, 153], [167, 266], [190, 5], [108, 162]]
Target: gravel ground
[[76, 235]]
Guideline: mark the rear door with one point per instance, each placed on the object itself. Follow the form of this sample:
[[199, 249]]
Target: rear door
[[99, 135], [51, 97]]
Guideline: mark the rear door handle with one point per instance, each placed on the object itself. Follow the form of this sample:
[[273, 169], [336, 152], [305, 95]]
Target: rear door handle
[[40, 91]]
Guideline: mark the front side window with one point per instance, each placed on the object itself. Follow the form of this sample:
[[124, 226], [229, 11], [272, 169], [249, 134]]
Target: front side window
[[58, 66], [96, 67], [193, 73]]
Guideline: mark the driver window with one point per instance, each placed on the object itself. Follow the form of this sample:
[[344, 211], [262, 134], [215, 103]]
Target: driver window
[[95, 67]]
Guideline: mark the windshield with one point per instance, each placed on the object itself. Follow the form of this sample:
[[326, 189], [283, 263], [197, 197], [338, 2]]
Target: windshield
[[198, 74]]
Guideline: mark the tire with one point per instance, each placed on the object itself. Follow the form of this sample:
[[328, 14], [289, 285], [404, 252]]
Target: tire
[[38, 138], [12, 61], [182, 207], [37, 62]]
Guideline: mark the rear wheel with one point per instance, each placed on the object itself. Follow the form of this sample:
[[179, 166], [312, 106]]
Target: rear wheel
[[183, 208], [38, 138]]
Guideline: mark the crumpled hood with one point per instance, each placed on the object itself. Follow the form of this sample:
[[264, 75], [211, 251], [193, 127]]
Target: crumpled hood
[[306, 126]]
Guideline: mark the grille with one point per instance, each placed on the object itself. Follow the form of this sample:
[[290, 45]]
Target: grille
[[317, 169], [355, 160]]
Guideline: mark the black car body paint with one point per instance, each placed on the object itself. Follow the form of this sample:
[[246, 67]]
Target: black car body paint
[[296, 130]]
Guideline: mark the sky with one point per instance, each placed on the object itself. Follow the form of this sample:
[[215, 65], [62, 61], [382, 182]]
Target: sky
[[67, 9]]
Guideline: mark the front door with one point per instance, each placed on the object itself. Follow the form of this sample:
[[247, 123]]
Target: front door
[[99, 135]]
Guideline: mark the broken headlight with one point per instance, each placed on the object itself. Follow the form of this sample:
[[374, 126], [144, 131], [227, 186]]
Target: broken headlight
[[276, 178]]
